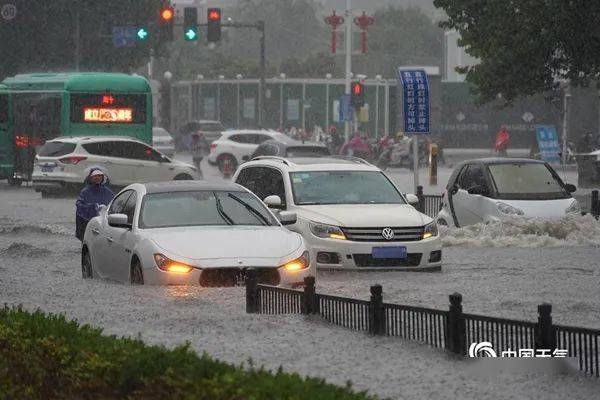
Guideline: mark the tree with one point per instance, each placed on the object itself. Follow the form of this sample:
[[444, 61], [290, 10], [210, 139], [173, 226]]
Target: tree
[[526, 46], [42, 36]]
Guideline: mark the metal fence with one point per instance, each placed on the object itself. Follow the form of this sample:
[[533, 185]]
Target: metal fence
[[449, 329]]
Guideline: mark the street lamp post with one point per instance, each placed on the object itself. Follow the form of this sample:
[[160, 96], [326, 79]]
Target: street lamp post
[[238, 77], [566, 98], [221, 77], [282, 76], [378, 78], [328, 76]]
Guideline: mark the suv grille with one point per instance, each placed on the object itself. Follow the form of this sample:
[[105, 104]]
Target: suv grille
[[367, 260], [412, 234]]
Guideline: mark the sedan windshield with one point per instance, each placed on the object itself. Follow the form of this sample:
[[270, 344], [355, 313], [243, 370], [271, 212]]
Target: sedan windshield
[[526, 181], [203, 208], [343, 187]]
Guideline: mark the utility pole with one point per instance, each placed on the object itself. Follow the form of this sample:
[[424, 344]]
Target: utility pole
[[77, 38], [348, 19], [260, 25]]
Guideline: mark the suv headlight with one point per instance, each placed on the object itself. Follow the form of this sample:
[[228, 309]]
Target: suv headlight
[[507, 209], [326, 231], [574, 208], [298, 264], [430, 230]]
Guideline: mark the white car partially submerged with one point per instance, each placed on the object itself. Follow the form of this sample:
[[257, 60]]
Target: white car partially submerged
[[192, 233], [494, 189]]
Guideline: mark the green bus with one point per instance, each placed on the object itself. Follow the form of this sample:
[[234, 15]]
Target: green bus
[[43, 106]]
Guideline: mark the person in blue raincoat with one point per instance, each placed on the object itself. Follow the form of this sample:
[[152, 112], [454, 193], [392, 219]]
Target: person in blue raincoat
[[95, 194]]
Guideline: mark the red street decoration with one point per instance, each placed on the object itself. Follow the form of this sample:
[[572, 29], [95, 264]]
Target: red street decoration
[[23, 142], [335, 21], [363, 22]]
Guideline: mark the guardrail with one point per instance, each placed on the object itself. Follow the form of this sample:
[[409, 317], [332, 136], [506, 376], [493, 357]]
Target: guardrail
[[450, 329]]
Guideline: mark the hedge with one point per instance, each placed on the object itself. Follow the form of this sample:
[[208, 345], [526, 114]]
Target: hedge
[[49, 357]]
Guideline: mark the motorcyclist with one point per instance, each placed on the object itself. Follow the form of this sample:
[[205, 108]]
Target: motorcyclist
[[356, 146], [501, 142], [91, 197]]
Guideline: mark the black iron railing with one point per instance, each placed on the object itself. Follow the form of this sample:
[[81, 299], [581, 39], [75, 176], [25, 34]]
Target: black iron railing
[[450, 329]]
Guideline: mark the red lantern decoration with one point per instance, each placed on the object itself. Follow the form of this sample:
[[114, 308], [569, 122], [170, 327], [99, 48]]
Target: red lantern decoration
[[363, 22], [334, 20]]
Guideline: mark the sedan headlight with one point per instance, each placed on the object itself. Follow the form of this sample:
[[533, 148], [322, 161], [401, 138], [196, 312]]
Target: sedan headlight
[[327, 231], [507, 209], [166, 264], [298, 264], [430, 230], [574, 208]]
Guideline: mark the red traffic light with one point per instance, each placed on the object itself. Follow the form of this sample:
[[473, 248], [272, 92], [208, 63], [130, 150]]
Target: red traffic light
[[214, 15], [357, 88], [167, 14]]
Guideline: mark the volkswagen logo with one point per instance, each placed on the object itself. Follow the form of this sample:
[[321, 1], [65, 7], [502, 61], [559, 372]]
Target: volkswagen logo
[[387, 233]]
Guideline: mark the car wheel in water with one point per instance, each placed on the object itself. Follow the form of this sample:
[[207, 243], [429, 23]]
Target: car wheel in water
[[87, 271], [137, 276], [222, 160], [183, 177]]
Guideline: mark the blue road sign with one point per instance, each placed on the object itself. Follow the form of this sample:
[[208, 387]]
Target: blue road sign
[[547, 139], [415, 90], [346, 111], [125, 36]]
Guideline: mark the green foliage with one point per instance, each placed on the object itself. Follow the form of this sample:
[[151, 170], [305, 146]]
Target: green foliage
[[525, 46], [48, 357], [42, 36]]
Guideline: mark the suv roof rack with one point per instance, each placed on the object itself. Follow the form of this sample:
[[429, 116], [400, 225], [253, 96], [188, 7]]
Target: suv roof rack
[[272, 158], [357, 160]]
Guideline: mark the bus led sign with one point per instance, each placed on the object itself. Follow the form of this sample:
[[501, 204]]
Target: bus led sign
[[100, 114]]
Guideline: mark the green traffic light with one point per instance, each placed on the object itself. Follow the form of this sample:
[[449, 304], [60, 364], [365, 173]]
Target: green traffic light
[[191, 34], [142, 34]]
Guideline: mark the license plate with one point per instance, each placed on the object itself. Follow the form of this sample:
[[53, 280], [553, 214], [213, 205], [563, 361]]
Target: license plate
[[389, 252], [48, 168]]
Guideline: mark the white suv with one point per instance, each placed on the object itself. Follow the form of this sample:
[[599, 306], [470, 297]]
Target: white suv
[[63, 163], [349, 212], [238, 146]]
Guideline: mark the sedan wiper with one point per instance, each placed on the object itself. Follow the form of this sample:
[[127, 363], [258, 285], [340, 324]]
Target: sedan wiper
[[222, 213], [252, 210]]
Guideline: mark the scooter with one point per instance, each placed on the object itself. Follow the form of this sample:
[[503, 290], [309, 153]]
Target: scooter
[[400, 154]]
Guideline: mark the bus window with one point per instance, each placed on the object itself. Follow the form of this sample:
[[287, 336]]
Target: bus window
[[3, 108], [108, 108]]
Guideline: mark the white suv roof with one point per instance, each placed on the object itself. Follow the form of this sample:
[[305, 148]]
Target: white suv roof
[[247, 132], [314, 163], [93, 139]]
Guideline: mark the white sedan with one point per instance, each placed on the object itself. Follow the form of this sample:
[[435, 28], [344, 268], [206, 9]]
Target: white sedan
[[494, 189], [192, 233]]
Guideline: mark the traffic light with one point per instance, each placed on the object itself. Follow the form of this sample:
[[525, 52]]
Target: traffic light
[[357, 94], [213, 32], [142, 34], [190, 23], [166, 20]]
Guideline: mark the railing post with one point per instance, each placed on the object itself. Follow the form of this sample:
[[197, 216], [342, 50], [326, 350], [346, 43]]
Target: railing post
[[595, 206], [252, 306], [309, 297], [376, 311], [456, 326], [421, 198], [545, 336]]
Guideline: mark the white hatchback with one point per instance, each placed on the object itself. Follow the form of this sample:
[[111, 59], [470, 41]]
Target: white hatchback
[[192, 233], [350, 213], [63, 164], [495, 189], [237, 147]]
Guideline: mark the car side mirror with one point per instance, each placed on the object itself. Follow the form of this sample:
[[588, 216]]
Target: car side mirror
[[273, 201], [412, 199], [570, 188], [288, 218], [119, 221], [476, 189], [454, 189]]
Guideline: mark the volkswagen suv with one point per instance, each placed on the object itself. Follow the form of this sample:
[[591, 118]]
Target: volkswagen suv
[[349, 212]]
